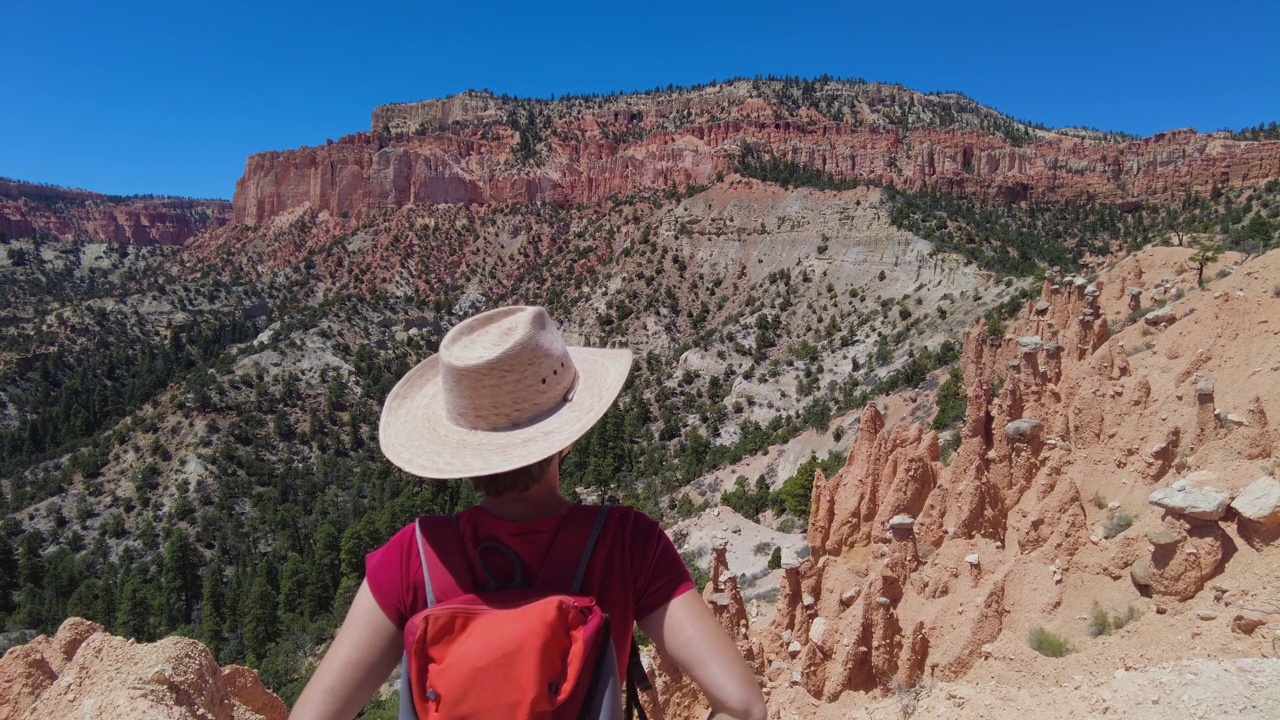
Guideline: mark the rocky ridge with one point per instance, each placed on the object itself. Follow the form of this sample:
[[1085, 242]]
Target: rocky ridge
[[27, 209], [479, 149], [83, 671]]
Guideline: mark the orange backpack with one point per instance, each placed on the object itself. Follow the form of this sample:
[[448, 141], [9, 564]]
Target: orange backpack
[[509, 651]]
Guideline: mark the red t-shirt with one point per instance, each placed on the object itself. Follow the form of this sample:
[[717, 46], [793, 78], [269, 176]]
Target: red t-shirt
[[634, 570]]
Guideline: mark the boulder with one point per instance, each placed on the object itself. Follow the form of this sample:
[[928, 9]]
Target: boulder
[[1023, 430], [1201, 503], [1140, 572], [1162, 316], [1180, 569], [818, 630], [1260, 501], [901, 522], [1231, 420], [1030, 344], [1246, 621]]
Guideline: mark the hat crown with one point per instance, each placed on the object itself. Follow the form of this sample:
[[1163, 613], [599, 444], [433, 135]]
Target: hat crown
[[504, 369]]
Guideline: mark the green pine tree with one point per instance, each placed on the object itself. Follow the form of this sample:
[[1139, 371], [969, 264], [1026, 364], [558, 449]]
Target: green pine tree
[[258, 609], [134, 609], [180, 580]]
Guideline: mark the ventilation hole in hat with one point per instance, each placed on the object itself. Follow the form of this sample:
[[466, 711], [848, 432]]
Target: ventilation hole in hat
[[555, 372], [544, 381]]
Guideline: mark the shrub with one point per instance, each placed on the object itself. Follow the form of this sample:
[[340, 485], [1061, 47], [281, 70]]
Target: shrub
[[1117, 524], [952, 401], [1099, 621], [995, 326], [748, 502], [796, 492], [761, 548], [1049, 644], [775, 559], [1120, 619], [1104, 622], [1098, 500]]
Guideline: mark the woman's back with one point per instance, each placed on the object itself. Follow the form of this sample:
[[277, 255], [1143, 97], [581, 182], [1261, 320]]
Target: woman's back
[[633, 570]]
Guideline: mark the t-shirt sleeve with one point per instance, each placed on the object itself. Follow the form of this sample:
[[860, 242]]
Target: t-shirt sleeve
[[390, 571], [663, 576]]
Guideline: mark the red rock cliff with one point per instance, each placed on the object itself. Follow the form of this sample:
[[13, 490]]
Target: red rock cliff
[[80, 215], [460, 149]]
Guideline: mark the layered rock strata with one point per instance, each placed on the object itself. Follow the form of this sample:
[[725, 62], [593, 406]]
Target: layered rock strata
[[27, 209], [469, 149]]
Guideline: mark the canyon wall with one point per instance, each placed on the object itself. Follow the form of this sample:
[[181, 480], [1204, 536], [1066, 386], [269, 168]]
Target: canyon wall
[[464, 149], [27, 209]]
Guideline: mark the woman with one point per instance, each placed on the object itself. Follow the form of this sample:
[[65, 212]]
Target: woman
[[500, 404]]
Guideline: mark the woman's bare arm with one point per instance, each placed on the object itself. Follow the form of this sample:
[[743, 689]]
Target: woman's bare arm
[[686, 632], [361, 658]]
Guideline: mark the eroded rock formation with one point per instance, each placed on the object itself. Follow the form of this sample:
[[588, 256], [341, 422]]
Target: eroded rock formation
[[914, 561], [83, 671]]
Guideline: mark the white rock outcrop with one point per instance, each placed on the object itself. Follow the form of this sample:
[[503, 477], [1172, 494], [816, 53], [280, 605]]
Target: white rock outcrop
[[1260, 501], [1202, 503]]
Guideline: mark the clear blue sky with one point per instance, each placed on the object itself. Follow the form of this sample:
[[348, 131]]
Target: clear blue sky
[[170, 97]]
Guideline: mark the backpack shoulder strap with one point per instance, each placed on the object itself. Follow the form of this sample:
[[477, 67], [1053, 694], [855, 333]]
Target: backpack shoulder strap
[[566, 563], [445, 568]]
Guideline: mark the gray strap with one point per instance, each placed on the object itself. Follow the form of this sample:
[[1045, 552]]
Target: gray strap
[[591, 544], [407, 711], [422, 556]]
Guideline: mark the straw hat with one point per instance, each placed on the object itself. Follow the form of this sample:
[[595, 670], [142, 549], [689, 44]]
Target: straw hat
[[503, 392]]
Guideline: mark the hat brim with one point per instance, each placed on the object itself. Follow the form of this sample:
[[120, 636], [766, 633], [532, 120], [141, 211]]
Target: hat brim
[[417, 437]]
